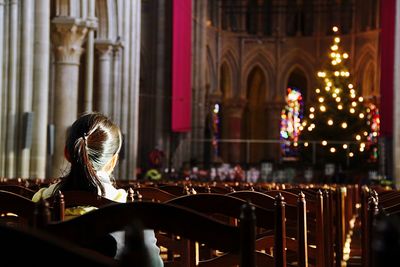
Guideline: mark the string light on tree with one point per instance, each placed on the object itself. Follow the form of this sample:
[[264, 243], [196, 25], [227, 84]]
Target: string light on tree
[[339, 105]]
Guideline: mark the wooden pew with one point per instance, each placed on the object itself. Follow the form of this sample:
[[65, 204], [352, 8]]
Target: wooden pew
[[168, 218], [217, 204], [31, 247]]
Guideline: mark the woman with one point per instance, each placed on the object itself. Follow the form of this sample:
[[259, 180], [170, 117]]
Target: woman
[[92, 147]]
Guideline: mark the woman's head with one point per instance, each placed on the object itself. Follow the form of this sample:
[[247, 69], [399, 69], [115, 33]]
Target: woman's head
[[92, 145]]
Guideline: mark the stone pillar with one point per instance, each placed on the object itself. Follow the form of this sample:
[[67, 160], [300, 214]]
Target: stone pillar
[[2, 37], [274, 121], [41, 69], [116, 83], [125, 87], [104, 52], [233, 118], [26, 81], [67, 37], [134, 89], [92, 26], [12, 91], [199, 79]]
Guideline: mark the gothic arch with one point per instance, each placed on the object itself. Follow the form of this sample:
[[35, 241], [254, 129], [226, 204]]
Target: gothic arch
[[264, 62], [368, 81], [230, 60], [366, 58], [106, 13], [296, 59], [299, 70]]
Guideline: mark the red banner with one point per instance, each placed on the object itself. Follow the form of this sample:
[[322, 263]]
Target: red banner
[[181, 65], [388, 17]]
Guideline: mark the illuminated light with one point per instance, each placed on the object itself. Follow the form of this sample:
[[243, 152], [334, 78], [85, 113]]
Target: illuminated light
[[326, 80], [334, 95], [354, 104], [337, 40], [351, 154], [311, 116], [322, 108], [333, 150], [216, 108], [327, 88], [321, 99], [338, 99], [361, 149], [336, 73], [334, 62], [312, 109], [368, 110], [362, 145], [301, 128], [352, 110], [309, 129], [345, 146], [342, 73], [338, 60], [333, 54], [344, 125], [324, 143], [312, 125], [345, 55], [353, 96], [361, 99], [304, 123], [352, 91], [329, 84], [365, 133], [334, 47], [295, 144], [330, 122], [305, 144], [347, 74], [358, 137], [335, 29], [317, 91], [375, 134], [321, 74], [361, 115], [337, 90], [340, 107], [350, 86]]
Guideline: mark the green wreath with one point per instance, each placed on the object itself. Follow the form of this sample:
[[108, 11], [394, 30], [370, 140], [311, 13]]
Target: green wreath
[[153, 175]]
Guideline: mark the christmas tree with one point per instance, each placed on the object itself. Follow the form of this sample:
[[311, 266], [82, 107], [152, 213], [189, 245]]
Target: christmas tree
[[338, 124]]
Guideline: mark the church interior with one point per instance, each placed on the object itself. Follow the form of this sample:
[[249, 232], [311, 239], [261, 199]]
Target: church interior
[[200, 132]]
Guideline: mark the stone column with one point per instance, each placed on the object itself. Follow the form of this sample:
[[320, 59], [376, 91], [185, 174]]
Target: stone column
[[26, 81], [123, 162], [116, 83], [233, 118], [92, 26], [134, 89], [12, 91], [67, 38], [2, 37], [41, 69], [199, 79], [274, 119], [104, 52]]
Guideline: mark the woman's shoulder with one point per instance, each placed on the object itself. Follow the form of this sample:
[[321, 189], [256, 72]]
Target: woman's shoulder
[[114, 194]]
